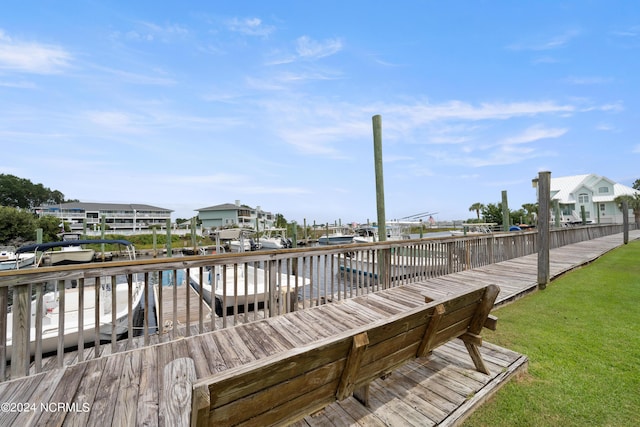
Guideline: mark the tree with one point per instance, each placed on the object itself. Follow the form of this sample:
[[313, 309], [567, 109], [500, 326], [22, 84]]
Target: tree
[[477, 207], [50, 228], [633, 203], [22, 193], [16, 226], [636, 184], [281, 222], [531, 210], [493, 213]]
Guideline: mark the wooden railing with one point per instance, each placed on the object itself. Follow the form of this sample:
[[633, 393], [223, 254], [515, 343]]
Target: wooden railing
[[100, 300]]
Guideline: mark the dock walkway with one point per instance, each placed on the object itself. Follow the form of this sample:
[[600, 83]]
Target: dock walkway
[[128, 388]]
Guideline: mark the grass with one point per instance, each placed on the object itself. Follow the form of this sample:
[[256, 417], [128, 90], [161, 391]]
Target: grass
[[581, 337]]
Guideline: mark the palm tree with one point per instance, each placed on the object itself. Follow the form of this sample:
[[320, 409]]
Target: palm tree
[[531, 209], [633, 203], [477, 207]]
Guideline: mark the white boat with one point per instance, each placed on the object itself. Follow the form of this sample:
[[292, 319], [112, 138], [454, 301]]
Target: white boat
[[9, 260], [474, 229], [336, 236], [275, 238], [50, 307], [50, 316], [366, 234], [395, 231], [70, 251], [251, 286], [236, 239]]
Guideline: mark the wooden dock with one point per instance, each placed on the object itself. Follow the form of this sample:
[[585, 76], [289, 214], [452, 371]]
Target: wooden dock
[[127, 388], [179, 306]]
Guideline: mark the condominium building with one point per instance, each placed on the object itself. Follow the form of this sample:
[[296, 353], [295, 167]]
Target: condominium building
[[118, 217]]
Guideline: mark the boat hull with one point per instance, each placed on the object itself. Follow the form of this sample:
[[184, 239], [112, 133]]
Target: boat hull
[[335, 240], [18, 262], [236, 290], [50, 316], [80, 256]]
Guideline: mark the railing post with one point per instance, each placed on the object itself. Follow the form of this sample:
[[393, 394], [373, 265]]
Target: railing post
[[544, 218], [21, 336], [625, 221]]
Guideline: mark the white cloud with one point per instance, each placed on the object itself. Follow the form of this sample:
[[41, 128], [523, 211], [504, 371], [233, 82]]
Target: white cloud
[[250, 26], [458, 110], [589, 80], [534, 133], [311, 49], [546, 42], [32, 57]]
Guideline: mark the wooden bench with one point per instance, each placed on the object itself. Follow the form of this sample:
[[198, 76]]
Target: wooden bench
[[285, 387]]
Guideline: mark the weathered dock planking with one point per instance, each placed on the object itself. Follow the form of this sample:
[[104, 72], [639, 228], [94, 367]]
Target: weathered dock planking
[[127, 388], [517, 277], [179, 306]]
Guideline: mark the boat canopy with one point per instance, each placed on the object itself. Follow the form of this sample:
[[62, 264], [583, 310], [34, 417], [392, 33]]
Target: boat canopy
[[50, 245]]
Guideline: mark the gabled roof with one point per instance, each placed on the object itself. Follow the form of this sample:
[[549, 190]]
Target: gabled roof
[[564, 188], [222, 207], [91, 206]]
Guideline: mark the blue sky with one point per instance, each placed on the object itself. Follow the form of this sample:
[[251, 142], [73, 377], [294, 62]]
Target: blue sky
[[185, 105]]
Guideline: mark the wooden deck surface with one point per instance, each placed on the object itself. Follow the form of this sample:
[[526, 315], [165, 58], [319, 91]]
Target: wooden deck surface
[[186, 302], [127, 388]]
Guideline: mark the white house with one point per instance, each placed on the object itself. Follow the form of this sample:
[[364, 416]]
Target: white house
[[593, 192]]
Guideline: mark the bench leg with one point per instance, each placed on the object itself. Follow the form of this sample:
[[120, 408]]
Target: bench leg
[[362, 394], [474, 352]]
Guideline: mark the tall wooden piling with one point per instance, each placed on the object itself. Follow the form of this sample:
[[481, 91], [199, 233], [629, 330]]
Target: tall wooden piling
[[544, 219], [377, 158], [506, 219], [384, 256]]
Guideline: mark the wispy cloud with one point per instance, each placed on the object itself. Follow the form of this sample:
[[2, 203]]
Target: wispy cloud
[[458, 110], [546, 42], [32, 57], [18, 85], [115, 121], [589, 80], [631, 32], [534, 133], [250, 27], [311, 49], [145, 31]]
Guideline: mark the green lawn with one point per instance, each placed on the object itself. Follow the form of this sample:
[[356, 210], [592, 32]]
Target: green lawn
[[582, 337]]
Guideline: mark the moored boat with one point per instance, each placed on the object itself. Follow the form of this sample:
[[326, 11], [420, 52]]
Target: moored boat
[[109, 294], [275, 238], [336, 236], [51, 313], [9, 260], [228, 288]]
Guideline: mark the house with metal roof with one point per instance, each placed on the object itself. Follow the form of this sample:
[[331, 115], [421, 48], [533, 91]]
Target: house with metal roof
[[593, 193], [229, 215], [120, 218]]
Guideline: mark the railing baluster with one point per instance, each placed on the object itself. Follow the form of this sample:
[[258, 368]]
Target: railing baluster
[[80, 288], [129, 310], [114, 312], [147, 309], [39, 319], [4, 305]]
